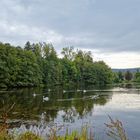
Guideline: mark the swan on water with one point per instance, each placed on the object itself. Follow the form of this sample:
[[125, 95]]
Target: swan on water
[[34, 95], [64, 91], [45, 98], [84, 91]]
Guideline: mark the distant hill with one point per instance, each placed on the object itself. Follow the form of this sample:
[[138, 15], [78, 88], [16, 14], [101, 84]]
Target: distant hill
[[133, 70]]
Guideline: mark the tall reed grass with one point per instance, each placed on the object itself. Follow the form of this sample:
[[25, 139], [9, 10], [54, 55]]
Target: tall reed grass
[[115, 131]]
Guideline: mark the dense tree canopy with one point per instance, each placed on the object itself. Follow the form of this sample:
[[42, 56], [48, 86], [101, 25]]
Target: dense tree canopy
[[137, 76], [118, 77], [38, 63], [128, 76]]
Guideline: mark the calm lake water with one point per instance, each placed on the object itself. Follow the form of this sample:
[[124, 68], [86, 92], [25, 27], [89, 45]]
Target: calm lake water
[[42, 108]]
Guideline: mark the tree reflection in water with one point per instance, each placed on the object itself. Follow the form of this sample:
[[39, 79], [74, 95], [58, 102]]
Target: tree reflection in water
[[29, 105]]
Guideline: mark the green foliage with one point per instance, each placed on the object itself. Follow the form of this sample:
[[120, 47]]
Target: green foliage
[[38, 63], [68, 53], [84, 64], [18, 67], [29, 136], [128, 76], [4, 135], [137, 76], [103, 73], [51, 65], [74, 135], [118, 77], [69, 71], [121, 76]]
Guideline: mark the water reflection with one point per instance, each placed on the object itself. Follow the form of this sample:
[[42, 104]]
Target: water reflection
[[39, 108], [30, 103]]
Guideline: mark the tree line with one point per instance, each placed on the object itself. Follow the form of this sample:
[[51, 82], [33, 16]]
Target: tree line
[[38, 63], [127, 76]]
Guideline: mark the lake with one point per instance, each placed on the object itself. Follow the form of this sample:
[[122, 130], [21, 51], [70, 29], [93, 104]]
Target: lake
[[38, 108]]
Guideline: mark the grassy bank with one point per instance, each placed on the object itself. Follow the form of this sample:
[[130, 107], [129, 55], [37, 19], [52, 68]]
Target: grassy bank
[[115, 131]]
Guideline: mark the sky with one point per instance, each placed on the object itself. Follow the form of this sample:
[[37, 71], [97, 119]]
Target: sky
[[110, 29]]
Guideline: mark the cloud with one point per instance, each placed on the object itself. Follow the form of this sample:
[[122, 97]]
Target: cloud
[[120, 60], [23, 33]]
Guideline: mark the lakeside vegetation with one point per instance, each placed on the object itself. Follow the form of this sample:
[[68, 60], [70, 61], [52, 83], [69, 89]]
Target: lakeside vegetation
[[115, 131], [127, 77], [37, 64]]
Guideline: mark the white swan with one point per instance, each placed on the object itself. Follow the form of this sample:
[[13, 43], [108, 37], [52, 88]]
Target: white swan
[[84, 91], [34, 95], [64, 91], [45, 98]]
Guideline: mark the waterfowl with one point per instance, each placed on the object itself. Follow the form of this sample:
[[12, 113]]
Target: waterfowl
[[45, 98], [64, 91], [84, 91], [34, 95]]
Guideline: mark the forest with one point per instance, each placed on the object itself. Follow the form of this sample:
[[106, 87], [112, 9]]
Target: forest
[[38, 64]]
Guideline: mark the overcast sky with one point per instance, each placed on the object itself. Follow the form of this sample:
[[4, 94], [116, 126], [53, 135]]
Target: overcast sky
[[108, 28]]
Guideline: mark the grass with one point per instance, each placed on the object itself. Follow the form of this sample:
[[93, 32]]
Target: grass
[[115, 131], [74, 135], [29, 136]]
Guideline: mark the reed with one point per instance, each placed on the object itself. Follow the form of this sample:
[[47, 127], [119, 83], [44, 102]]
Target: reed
[[116, 130]]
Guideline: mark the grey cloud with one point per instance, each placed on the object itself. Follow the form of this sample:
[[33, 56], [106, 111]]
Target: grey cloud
[[104, 25]]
